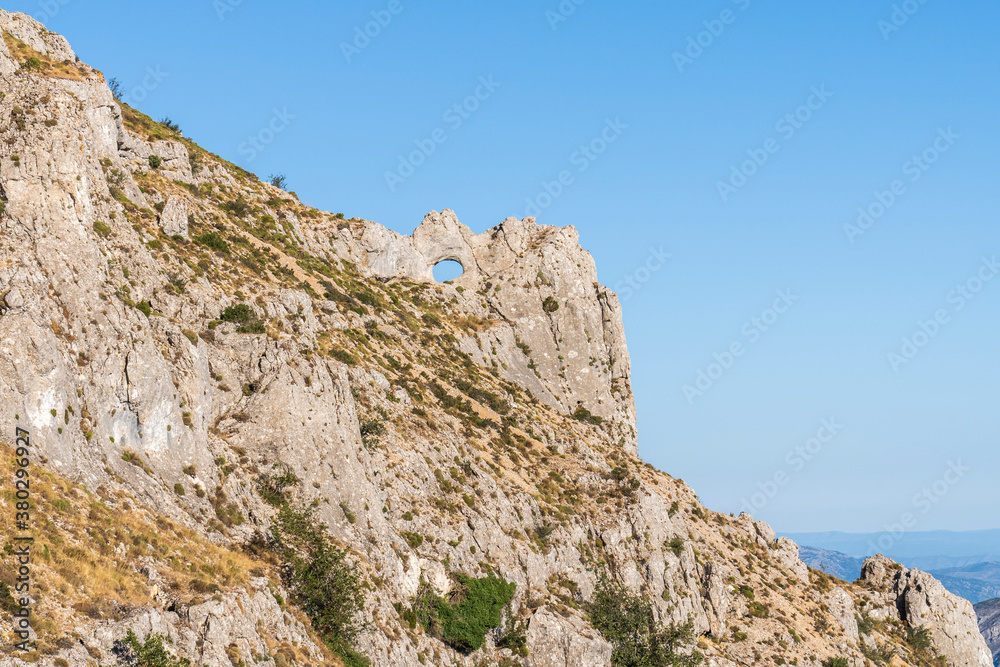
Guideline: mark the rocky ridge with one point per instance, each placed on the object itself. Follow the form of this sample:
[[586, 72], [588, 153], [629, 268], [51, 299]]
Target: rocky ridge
[[482, 426]]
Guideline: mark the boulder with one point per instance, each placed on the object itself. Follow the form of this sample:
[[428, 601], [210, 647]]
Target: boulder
[[174, 219]]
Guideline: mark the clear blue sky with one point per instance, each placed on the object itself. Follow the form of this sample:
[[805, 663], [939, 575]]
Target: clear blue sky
[[656, 186]]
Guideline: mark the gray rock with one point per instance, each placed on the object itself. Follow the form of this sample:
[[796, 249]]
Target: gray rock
[[921, 601], [174, 219], [557, 640]]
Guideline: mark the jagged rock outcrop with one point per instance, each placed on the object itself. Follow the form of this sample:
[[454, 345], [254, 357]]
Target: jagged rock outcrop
[[988, 613], [174, 218], [561, 334], [921, 601], [175, 361]]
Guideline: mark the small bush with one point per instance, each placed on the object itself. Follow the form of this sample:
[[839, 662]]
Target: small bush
[[627, 621], [213, 241], [170, 125], [413, 539], [150, 653], [836, 662], [344, 356], [179, 489], [550, 305], [472, 610], [155, 161], [372, 430], [324, 583], [584, 415], [240, 313], [102, 229], [676, 544], [146, 308]]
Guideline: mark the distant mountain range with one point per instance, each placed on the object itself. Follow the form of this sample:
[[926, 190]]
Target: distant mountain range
[[937, 550], [968, 564]]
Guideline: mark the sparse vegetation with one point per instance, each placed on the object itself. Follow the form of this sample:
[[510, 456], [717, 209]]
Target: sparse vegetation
[[324, 583], [150, 653], [472, 609], [626, 619]]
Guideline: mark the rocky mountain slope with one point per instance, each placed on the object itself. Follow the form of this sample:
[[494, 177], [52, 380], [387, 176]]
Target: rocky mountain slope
[[261, 434], [988, 613]]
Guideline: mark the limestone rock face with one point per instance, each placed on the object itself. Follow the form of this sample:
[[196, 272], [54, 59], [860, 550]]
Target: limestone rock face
[[842, 608], [561, 334], [174, 219], [483, 426], [555, 640], [921, 601]]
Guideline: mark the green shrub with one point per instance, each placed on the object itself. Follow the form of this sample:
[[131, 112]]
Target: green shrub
[[413, 539], [747, 592], [472, 609], [213, 241], [103, 229], [344, 356], [271, 487], [150, 653], [33, 65], [238, 207], [583, 414], [321, 580], [372, 430], [676, 544], [146, 308], [179, 489], [639, 640], [61, 504], [836, 662], [550, 305], [239, 313], [155, 161]]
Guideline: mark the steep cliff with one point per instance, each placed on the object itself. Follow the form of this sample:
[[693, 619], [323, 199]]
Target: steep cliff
[[197, 356]]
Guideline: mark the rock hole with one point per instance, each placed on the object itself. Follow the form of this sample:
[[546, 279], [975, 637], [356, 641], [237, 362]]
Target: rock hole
[[447, 270]]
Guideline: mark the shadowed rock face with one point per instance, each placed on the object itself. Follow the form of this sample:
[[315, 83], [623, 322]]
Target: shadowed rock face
[[544, 286], [988, 613]]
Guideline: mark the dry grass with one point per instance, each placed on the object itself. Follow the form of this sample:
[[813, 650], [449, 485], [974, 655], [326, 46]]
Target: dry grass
[[88, 549], [39, 63]]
